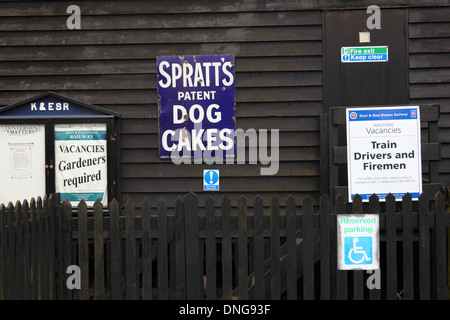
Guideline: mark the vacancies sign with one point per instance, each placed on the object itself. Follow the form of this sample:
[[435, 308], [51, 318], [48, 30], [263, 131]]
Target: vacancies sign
[[383, 152], [196, 106], [81, 162]]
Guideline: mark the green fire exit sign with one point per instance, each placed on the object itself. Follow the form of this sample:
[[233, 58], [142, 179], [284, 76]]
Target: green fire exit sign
[[364, 54]]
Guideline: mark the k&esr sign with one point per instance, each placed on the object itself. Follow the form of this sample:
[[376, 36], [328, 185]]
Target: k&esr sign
[[384, 152], [196, 106]]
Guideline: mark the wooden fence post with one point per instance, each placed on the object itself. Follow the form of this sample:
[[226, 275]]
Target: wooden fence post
[[211, 254], [147, 275], [99, 264], [440, 252], [34, 250], [259, 286], [325, 262], [358, 275], [66, 227], [275, 292], [391, 248], [12, 253], [180, 249], [26, 250], [408, 262], [291, 238], [19, 250], [163, 266], [424, 249], [341, 275], [193, 269], [4, 272], [40, 249], [115, 250], [374, 208], [60, 272], [51, 254], [46, 248], [308, 248], [226, 249], [130, 250], [83, 250], [242, 249]]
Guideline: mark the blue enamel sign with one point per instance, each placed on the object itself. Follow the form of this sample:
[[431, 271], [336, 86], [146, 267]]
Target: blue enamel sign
[[196, 106]]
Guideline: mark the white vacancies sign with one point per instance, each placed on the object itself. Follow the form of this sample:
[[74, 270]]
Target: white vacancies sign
[[383, 152], [81, 163]]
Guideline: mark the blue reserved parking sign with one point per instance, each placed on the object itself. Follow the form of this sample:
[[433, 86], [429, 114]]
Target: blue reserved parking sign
[[358, 250]]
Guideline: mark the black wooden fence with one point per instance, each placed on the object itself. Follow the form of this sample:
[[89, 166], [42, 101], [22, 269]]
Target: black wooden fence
[[216, 251]]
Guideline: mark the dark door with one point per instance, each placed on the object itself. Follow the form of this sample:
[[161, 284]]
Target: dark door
[[365, 83], [360, 83]]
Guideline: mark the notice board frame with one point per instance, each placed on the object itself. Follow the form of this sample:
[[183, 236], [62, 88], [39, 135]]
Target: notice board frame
[[17, 113]]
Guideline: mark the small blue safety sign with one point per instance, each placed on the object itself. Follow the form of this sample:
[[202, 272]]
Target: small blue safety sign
[[210, 180]]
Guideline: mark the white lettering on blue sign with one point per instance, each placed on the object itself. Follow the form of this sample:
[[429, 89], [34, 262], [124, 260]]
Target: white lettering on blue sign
[[196, 107], [210, 180], [49, 106], [357, 250], [364, 54]]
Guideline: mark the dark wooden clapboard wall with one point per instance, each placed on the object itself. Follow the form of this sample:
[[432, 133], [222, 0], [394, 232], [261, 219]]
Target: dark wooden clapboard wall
[[111, 62], [429, 75]]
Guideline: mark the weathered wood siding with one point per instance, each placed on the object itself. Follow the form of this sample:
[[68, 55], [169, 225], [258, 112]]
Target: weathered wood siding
[[111, 62], [429, 75]]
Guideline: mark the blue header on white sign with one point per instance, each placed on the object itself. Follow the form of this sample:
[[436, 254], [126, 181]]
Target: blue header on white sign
[[382, 114]]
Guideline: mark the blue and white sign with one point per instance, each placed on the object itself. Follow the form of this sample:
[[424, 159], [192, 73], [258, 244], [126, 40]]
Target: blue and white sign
[[358, 242], [358, 250], [210, 180], [364, 54], [384, 152], [196, 107], [81, 162]]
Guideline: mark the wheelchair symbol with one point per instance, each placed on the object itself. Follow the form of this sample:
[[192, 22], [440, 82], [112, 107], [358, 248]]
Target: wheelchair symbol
[[355, 254]]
